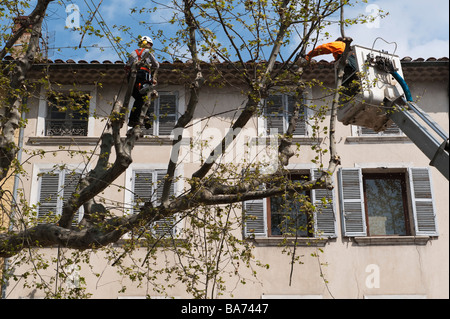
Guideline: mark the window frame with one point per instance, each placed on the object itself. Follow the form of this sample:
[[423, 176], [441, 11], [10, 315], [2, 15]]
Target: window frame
[[257, 225], [43, 108], [129, 189], [420, 203], [309, 216], [357, 131], [68, 116], [406, 214], [36, 187], [264, 130], [155, 129]]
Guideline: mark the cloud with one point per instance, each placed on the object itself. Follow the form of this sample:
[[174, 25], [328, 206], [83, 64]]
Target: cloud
[[419, 28], [113, 10], [414, 28]]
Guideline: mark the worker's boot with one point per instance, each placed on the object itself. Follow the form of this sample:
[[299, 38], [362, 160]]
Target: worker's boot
[[147, 123]]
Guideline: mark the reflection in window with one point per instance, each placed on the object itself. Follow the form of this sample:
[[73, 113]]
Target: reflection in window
[[385, 200]]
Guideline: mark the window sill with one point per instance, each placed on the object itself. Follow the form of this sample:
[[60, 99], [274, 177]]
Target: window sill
[[377, 139], [290, 241], [296, 139], [160, 140], [87, 140], [62, 140], [391, 240]]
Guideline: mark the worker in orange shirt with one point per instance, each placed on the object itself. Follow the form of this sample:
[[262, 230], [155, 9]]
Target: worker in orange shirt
[[336, 48]]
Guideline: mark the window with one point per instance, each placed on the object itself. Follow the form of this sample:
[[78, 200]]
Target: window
[[67, 114], [278, 112], [163, 111], [386, 204], [392, 130], [376, 204], [55, 189], [287, 216], [281, 215], [147, 184]]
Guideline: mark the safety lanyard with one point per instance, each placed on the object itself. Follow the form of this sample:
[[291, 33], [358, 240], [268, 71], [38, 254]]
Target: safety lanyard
[[139, 53]]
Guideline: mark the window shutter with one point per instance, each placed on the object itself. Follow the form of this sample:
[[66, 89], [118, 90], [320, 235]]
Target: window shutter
[[142, 188], [255, 218], [324, 218], [422, 202], [70, 184], [48, 196], [352, 202], [151, 113], [167, 113], [165, 226], [275, 114], [163, 113], [393, 129], [300, 128]]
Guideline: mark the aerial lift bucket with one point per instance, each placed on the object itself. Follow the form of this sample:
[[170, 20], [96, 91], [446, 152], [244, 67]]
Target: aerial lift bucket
[[375, 95], [367, 88]]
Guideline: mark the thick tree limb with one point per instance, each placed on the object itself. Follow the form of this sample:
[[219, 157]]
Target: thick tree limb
[[18, 73], [191, 106]]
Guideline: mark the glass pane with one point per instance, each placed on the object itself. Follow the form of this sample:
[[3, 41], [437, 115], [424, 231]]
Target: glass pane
[[385, 206], [68, 114], [288, 217]]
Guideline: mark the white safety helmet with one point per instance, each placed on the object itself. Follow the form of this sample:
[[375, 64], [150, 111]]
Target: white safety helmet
[[145, 39]]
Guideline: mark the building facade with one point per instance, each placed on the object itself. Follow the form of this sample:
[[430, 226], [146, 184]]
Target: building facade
[[384, 233]]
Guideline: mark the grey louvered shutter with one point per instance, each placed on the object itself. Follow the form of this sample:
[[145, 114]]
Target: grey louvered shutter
[[300, 127], [324, 217], [48, 196], [71, 181], [70, 184], [393, 129], [166, 226], [167, 113], [151, 113], [255, 218], [422, 202], [352, 202], [142, 188], [275, 114]]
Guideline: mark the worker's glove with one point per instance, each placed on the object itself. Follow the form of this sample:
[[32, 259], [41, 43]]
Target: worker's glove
[[145, 89]]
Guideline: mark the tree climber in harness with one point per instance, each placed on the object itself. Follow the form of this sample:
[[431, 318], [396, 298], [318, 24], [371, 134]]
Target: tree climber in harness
[[144, 79]]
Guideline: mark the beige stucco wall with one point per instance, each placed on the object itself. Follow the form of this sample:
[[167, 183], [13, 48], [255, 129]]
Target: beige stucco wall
[[350, 270]]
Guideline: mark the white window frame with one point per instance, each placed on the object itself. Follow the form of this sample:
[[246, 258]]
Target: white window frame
[[315, 198], [180, 107], [43, 106], [357, 132], [36, 184], [262, 121], [129, 184], [353, 230]]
